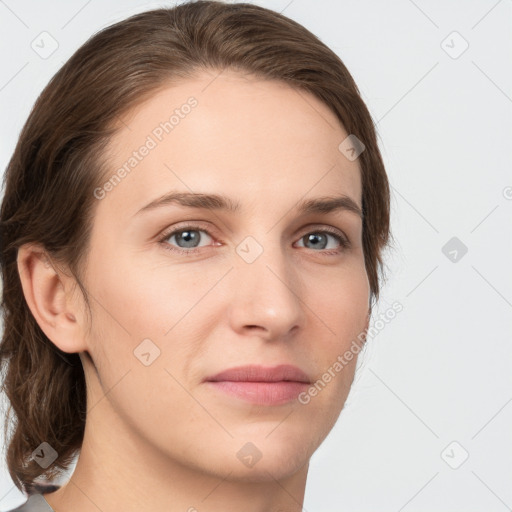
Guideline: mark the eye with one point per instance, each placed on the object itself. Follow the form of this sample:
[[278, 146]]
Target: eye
[[188, 238], [320, 239]]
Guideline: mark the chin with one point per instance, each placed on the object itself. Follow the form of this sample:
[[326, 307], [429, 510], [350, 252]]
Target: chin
[[262, 457], [269, 470]]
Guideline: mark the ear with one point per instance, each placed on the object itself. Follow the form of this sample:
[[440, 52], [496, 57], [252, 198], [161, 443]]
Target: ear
[[48, 293]]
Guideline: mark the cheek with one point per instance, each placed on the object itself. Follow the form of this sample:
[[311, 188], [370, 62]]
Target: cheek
[[132, 312], [340, 301], [173, 306]]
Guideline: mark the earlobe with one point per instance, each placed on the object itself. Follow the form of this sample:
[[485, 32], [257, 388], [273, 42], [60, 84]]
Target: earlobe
[[47, 293]]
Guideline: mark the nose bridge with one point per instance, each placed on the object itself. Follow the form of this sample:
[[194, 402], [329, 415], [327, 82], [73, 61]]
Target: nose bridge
[[268, 291]]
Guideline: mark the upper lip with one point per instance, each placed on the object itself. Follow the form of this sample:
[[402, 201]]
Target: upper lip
[[257, 373]]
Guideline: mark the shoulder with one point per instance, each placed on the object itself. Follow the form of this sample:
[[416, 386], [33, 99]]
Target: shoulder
[[34, 503]]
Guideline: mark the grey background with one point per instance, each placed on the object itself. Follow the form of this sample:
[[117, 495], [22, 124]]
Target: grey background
[[441, 370]]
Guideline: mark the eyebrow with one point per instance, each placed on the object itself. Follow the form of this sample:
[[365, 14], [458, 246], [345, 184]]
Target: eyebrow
[[222, 203]]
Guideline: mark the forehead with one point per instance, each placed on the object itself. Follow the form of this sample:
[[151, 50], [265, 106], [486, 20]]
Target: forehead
[[229, 133]]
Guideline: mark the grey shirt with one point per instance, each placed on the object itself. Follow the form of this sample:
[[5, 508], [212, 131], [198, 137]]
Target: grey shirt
[[35, 503]]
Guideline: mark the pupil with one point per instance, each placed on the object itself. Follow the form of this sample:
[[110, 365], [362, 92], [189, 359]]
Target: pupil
[[314, 238], [188, 237]]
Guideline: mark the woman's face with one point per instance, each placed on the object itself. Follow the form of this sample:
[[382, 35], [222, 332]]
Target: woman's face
[[266, 284]]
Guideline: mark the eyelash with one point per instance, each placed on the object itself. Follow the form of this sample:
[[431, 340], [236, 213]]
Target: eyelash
[[344, 242]]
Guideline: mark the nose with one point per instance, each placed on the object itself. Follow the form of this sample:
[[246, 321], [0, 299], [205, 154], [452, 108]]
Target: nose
[[267, 298]]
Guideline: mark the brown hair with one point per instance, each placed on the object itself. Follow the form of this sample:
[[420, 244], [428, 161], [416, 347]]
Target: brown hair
[[57, 163]]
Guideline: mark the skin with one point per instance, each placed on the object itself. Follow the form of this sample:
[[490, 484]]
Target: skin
[[157, 438]]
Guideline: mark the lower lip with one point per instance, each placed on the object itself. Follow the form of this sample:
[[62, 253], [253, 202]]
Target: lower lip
[[262, 393]]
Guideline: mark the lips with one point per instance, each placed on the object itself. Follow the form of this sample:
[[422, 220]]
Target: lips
[[255, 373], [260, 385]]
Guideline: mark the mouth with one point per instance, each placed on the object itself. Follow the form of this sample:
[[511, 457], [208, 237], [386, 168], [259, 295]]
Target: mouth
[[261, 385]]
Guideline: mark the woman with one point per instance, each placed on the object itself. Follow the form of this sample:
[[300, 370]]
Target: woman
[[192, 232]]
